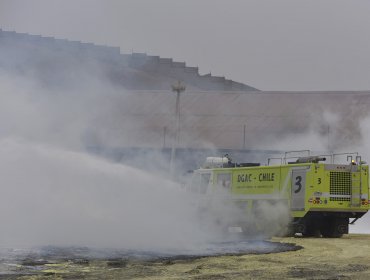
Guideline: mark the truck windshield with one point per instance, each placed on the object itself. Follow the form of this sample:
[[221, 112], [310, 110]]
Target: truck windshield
[[199, 182]]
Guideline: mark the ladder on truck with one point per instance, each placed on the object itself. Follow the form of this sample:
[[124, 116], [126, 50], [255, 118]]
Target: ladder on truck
[[356, 183]]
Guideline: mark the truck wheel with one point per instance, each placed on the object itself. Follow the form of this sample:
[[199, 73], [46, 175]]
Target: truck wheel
[[328, 231], [334, 227], [311, 231]]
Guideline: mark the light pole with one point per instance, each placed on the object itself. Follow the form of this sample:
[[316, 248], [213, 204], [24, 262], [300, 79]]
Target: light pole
[[244, 130], [178, 88]]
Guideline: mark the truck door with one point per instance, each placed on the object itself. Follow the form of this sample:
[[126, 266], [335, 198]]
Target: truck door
[[298, 189], [204, 182], [224, 181]]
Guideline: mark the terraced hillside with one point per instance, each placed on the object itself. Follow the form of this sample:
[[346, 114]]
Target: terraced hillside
[[57, 62]]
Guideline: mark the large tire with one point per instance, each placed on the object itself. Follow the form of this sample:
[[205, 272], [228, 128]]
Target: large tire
[[334, 227], [328, 231], [311, 231]]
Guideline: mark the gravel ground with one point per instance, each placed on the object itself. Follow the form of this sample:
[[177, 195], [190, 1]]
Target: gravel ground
[[319, 258]]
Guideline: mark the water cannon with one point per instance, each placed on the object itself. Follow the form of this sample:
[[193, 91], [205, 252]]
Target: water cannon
[[310, 159], [216, 162]]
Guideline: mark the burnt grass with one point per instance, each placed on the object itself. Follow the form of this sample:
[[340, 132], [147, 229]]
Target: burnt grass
[[68, 261]]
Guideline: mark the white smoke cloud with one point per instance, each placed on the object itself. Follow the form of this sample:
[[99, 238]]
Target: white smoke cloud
[[55, 193], [58, 197], [220, 213]]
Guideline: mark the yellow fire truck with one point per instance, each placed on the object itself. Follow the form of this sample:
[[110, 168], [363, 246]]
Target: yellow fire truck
[[322, 196]]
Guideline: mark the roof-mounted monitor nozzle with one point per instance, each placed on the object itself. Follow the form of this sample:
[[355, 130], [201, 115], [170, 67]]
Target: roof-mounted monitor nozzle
[[311, 159]]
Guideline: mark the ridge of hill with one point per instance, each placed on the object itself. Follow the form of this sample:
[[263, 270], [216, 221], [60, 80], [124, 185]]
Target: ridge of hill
[[57, 61]]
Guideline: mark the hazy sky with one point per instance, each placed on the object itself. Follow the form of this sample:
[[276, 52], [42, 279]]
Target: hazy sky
[[268, 44]]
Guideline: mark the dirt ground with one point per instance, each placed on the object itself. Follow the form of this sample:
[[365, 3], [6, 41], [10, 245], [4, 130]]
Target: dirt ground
[[320, 258]]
